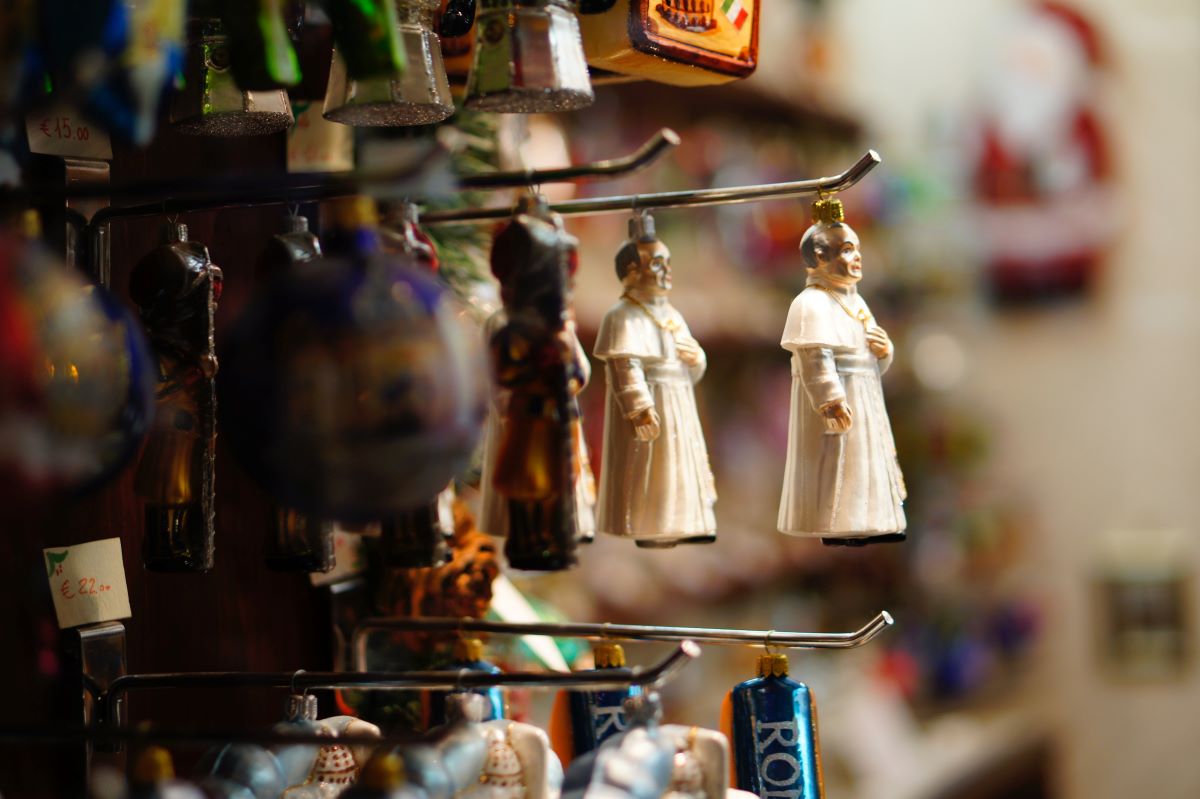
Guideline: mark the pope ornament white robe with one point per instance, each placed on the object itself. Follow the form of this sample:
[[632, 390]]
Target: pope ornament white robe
[[837, 485], [659, 492]]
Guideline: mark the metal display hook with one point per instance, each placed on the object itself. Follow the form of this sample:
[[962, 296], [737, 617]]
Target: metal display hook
[[179, 196], [628, 632], [458, 679], [675, 199]]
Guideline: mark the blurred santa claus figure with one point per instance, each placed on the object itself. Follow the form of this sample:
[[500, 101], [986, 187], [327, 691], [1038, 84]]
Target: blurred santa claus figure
[[1041, 175]]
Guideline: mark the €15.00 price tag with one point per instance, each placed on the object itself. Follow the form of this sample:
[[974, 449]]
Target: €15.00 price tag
[[63, 131], [87, 582]]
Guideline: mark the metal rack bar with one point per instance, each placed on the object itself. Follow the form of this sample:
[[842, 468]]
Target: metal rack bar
[[629, 632], [630, 203], [458, 679], [24, 734], [172, 196]]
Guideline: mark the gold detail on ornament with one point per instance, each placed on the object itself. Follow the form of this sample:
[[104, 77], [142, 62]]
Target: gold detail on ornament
[[772, 665], [828, 210], [609, 656]]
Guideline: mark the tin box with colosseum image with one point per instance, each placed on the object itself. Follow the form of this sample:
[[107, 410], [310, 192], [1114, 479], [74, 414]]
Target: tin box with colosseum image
[[683, 42]]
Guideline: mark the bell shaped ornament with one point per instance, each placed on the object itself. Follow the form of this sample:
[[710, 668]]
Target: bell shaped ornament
[[528, 58], [211, 103], [417, 95]]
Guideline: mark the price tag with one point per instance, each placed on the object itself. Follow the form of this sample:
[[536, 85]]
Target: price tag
[[87, 582], [317, 145], [349, 558], [62, 131]]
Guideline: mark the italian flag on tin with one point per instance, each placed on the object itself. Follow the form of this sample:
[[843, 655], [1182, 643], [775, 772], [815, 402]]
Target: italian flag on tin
[[735, 12]]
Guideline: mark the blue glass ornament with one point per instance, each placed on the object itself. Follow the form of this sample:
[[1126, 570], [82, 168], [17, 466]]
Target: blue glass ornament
[[772, 724]]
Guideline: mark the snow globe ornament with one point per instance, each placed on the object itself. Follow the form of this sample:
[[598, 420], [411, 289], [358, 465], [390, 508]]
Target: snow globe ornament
[[842, 482], [656, 486], [77, 395], [354, 388]]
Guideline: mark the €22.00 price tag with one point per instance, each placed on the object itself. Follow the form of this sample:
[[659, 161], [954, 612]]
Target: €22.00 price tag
[[87, 582], [63, 131]]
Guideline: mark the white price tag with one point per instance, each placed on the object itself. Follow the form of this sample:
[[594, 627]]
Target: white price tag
[[317, 145], [87, 582], [349, 558], [62, 131]]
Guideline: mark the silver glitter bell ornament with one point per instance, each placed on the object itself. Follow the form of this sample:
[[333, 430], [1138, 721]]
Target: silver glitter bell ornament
[[420, 95], [528, 58], [211, 104]]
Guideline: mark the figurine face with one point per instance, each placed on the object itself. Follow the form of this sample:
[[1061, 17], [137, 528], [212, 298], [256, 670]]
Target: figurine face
[[654, 269], [838, 258]]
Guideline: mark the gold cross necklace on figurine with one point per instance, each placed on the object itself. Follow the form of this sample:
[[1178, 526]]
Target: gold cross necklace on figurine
[[670, 325], [861, 315]]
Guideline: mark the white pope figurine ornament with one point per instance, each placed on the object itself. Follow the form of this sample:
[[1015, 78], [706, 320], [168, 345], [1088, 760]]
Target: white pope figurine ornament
[[842, 482], [656, 486]]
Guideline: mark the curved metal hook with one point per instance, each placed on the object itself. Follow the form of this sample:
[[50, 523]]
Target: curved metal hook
[[654, 148], [680, 199]]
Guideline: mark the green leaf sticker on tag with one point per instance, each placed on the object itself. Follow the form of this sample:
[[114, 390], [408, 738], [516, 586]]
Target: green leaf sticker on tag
[[54, 561]]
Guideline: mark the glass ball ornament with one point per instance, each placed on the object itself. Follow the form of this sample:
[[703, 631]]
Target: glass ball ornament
[[353, 387], [76, 377]]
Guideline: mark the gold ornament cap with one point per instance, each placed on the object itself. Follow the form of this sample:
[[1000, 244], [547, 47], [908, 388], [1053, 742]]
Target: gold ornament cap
[[828, 210], [468, 649], [153, 765], [353, 212], [31, 224], [383, 772], [771, 665], [609, 656]]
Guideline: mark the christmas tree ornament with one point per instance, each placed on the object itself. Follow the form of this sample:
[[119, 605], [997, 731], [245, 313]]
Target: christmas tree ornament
[[385, 777], [296, 542], [528, 58], [417, 95], [700, 764], [495, 504], [176, 288], [152, 776], [656, 486], [128, 102], [337, 765], [636, 764], [520, 764], [300, 717], [455, 753], [583, 720], [539, 367], [261, 52], [78, 389], [842, 482], [248, 766], [682, 42], [366, 33], [211, 103], [355, 390], [772, 723], [468, 655]]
